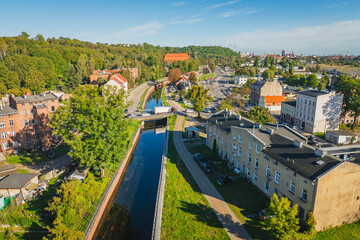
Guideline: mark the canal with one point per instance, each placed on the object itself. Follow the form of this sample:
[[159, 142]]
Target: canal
[[131, 214], [154, 100]]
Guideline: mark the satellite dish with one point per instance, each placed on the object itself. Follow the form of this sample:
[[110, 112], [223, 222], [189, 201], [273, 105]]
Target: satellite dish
[[8, 132]]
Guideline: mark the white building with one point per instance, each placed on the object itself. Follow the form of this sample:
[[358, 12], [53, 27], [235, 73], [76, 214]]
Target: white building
[[288, 111], [240, 80], [318, 111], [118, 81]]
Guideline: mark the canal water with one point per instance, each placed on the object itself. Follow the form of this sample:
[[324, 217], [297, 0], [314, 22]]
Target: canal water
[[132, 211], [154, 100]]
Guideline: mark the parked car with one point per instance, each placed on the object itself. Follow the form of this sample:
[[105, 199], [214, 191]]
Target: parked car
[[205, 167], [225, 180], [51, 154], [189, 110], [198, 157], [312, 140], [263, 214], [145, 114]]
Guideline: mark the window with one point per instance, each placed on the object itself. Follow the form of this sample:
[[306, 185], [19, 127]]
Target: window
[[26, 122], [268, 171], [239, 152], [29, 143], [210, 132], [304, 195], [6, 145], [32, 111], [33, 121], [234, 148], [239, 140], [13, 133], [234, 136], [255, 177], [313, 104], [226, 143], [249, 144], [222, 140], [266, 156], [267, 186], [2, 124], [249, 158], [3, 135], [257, 149], [15, 144], [214, 133], [277, 177], [305, 101], [24, 112], [276, 191], [248, 172], [52, 108], [292, 187], [11, 123], [256, 163]]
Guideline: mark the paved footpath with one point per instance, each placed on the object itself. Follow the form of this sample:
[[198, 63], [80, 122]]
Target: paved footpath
[[227, 218], [135, 95]]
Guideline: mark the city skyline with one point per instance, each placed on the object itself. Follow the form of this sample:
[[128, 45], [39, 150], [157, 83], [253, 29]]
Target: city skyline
[[262, 27]]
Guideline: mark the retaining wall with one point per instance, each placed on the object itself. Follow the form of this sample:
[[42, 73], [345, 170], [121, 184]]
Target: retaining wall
[[151, 90], [156, 232], [98, 216]]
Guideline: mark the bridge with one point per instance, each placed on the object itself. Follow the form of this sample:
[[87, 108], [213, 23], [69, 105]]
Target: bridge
[[153, 116], [342, 150]]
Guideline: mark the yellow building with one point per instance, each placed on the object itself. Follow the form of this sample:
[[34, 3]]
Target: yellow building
[[277, 160]]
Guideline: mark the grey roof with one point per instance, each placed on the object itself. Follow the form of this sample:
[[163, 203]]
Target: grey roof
[[16, 181], [7, 111], [35, 98], [232, 120], [7, 170], [291, 103], [341, 132], [192, 128], [312, 93], [301, 160]]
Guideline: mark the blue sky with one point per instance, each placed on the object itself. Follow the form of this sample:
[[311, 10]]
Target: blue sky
[[260, 26]]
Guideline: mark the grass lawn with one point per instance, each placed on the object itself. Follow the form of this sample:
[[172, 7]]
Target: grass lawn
[[320, 135], [347, 231], [195, 146], [186, 212], [163, 97], [142, 99], [207, 76]]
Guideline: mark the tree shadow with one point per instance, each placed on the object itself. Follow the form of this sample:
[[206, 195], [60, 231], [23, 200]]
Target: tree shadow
[[332, 111]]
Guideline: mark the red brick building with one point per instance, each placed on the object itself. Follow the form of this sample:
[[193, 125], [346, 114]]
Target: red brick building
[[24, 124]]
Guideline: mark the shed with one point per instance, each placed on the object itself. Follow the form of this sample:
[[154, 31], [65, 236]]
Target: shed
[[341, 137], [14, 184], [192, 132]]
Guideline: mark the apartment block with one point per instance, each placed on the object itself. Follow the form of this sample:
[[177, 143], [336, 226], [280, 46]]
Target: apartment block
[[288, 109], [277, 160], [24, 123], [318, 111], [264, 88]]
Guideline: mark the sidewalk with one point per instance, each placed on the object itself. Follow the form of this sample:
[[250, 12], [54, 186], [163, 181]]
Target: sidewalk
[[227, 218]]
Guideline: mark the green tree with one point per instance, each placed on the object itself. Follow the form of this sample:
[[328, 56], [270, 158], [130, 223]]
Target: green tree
[[256, 62], [312, 81], [212, 65], [310, 222], [174, 74], [350, 87], [92, 124], [281, 221], [24, 34], [324, 81], [199, 96], [193, 77], [73, 78], [260, 115], [268, 74], [291, 69]]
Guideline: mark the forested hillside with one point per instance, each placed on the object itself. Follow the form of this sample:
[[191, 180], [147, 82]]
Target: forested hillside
[[35, 64]]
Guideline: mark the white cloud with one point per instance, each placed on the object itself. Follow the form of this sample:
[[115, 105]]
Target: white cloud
[[222, 4], [147, 29], [188, 21], [242, 11], [337, 5], [178, 4], [336, 37]]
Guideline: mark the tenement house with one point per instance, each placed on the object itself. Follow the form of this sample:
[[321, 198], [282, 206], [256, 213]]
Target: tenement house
[[24, 123], [264, 88], [277, 160]]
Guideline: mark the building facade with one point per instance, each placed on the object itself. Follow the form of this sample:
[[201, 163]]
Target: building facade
[[24, 123], [318, 111], [278, 160], [288, 111], [264, 88]]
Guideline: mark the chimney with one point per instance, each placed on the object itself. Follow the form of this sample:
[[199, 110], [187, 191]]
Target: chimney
[[320, 153], [24, 96], [269, 131], [253, 129], [238, 117], [277, 126], [297, 144]]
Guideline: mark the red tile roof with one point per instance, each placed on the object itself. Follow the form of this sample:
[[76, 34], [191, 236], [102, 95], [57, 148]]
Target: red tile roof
[[176, 57], [118, 78]]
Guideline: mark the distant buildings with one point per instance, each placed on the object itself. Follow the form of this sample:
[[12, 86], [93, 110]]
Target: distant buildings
[[277, 160], [106, 74], [264, 88], [117, 81], [24, 123], [240, 80], [288, 109], [273, 103], [173, 57]]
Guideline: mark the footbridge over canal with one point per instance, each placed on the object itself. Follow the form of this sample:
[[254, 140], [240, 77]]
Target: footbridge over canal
[[342, 151]]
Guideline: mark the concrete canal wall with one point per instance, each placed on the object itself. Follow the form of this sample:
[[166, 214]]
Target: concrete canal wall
[[97, 218], [151, 90]]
